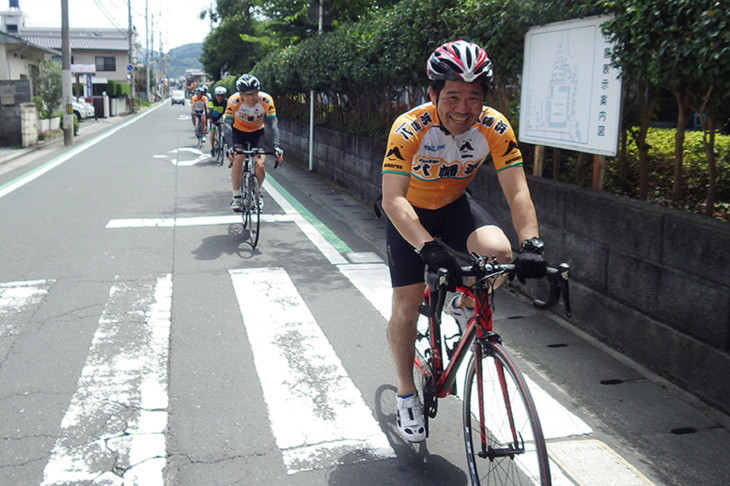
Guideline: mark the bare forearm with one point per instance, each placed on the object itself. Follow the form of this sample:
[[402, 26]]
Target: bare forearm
[[404, 218], [524, 218]]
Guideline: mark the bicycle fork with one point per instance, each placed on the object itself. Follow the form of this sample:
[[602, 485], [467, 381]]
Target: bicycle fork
[[517, 446]]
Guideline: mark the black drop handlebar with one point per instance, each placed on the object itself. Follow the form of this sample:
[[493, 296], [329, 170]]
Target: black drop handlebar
[[253, 152], [482, 270]]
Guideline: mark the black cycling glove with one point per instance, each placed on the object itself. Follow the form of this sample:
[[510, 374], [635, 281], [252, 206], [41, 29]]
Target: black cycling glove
[[530, 263], [435, 257]]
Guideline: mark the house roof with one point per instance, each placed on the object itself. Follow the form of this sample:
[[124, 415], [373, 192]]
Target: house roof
[[10, 39], [79, 39]]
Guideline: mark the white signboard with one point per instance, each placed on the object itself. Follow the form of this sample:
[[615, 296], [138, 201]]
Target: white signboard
[[571, 95]]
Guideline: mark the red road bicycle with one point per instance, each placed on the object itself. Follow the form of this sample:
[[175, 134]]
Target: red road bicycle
[[502, 433]]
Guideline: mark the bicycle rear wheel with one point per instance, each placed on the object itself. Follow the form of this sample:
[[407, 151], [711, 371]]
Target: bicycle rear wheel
[[502, 432], [219, 146]]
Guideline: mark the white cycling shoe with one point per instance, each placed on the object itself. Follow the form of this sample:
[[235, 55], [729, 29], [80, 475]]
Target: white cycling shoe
[[411, 424], [460, 314]]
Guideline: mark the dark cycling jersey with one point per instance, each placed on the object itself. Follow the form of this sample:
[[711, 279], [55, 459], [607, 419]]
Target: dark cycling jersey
[[216, 110]]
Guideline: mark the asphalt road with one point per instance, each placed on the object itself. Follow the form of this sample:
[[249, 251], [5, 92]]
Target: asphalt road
[[142, 340]]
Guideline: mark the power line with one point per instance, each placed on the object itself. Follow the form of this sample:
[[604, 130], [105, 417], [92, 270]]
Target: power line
[[111, 18]]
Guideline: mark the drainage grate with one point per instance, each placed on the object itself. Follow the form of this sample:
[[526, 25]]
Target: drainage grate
[[612, 382]]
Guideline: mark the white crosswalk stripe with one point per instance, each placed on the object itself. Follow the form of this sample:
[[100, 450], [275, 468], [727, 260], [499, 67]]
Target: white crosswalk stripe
[[316, 412], [114, 429]]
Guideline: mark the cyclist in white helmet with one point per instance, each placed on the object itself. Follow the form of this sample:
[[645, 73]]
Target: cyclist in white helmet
[[433, 152]]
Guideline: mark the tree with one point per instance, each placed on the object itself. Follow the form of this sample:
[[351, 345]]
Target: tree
[[680, 45], [47, 84], [233, 45]]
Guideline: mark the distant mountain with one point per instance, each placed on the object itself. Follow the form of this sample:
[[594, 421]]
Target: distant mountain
[[185, 57]]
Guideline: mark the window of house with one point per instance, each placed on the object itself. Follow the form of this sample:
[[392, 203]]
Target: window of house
[[11, 29], [106, 63]]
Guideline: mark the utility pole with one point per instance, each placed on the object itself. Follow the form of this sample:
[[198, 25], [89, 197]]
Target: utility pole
[[147, 51], [131, 49], [311, 102], [68, 113]]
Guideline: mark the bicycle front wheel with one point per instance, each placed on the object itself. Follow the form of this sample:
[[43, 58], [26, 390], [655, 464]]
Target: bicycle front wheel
[[254, 211], [502, 433]]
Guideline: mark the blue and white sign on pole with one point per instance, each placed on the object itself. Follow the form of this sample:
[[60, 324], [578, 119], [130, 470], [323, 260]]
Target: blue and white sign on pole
[[130, 67]]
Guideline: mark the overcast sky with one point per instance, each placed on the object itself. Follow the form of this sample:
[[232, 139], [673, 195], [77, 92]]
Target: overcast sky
[[176, 22]]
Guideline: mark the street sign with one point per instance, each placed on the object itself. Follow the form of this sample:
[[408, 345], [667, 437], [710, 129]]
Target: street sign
[[129, 67]]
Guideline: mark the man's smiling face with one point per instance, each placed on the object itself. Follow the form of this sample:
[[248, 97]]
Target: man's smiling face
[[459, 105]]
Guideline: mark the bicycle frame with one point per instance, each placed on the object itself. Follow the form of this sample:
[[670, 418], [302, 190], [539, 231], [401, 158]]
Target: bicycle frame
[[480, 327]]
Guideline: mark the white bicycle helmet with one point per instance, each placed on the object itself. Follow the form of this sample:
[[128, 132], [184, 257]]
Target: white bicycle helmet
[[220, 90]]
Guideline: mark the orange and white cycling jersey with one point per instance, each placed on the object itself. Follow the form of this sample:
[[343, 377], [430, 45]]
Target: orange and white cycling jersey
[[199, 103], [250, 118], [441, 166]]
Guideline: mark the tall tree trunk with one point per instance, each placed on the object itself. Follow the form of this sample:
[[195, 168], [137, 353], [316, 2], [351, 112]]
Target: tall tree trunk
[[711, 165], [646, 101], [682, 119], [579, 168], [707, 120]]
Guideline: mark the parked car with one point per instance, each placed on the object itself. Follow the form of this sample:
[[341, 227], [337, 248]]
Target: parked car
[[178, 96], [83, 109]]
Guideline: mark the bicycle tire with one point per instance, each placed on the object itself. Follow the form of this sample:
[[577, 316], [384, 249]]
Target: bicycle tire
[[220, 147], [501, 459], [199, 131], [252, 213]]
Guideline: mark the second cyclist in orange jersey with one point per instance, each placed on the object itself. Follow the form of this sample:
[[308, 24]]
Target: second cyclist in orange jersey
[[248, 112]]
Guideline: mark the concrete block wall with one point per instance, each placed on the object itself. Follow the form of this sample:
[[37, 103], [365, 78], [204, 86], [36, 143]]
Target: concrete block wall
[[28, 124], [651, 282]]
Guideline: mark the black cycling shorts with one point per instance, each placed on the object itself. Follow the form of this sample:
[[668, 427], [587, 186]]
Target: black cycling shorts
[[252, 139], [452, 224]]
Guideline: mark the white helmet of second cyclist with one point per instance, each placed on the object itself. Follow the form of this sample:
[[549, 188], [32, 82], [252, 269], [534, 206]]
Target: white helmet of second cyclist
[[248, 82], [220, 90]]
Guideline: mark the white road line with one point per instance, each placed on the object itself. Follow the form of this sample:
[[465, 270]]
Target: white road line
[[192, 221], [317, 415], [373, 282], [114, 429]]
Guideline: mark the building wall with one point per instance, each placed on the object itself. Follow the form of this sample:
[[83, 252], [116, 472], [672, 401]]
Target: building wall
[[649, 281], [89, 57]]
